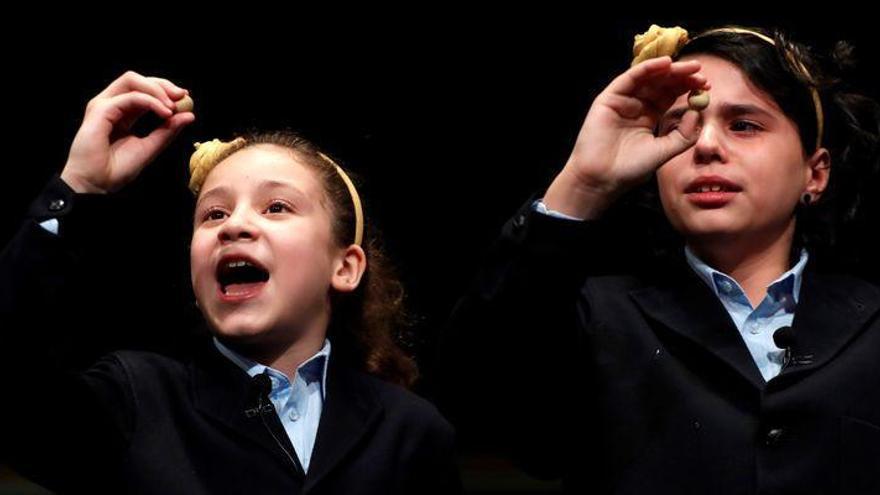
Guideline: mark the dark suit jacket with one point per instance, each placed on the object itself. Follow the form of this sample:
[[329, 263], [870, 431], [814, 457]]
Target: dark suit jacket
[[633, 379], [141, 422]]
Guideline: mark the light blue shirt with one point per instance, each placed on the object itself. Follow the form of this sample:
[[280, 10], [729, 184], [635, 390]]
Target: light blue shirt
[[755, 325], [540, 207], [298, 404], [50, 225]]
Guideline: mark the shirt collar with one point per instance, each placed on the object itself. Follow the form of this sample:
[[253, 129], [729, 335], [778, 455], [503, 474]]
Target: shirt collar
[[310, 370], [787, 283]]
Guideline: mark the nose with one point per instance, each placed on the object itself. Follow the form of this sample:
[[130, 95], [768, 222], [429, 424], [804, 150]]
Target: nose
[[710, 146], [237, 226]]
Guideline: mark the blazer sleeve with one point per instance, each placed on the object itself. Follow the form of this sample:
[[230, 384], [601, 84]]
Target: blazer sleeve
[[509, 354], [62, 421]]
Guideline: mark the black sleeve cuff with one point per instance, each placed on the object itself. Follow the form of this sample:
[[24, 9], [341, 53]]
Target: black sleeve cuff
[[550, 236], [74, 211]]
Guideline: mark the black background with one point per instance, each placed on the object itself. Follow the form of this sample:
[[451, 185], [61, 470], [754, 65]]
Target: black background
[[452, 119]]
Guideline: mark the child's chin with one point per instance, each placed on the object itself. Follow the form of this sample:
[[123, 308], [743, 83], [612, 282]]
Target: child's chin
[[713, 234], [711, 223], [240, 330], [242, 333]]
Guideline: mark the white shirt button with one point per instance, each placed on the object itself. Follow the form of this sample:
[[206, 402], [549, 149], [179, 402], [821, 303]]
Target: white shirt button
[[293, 415]]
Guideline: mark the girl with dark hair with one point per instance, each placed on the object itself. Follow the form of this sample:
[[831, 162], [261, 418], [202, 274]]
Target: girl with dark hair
[[301, 387], [742, 360]]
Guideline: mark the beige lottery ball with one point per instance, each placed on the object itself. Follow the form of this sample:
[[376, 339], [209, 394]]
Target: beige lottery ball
[[698, 100], [184, 104]]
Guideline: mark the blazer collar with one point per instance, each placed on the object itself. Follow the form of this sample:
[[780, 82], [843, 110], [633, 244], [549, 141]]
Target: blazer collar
[[831, 311], [223, 392]]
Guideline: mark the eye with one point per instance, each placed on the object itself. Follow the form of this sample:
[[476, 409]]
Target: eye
[[213, 214], [745, 126], [278, 206]]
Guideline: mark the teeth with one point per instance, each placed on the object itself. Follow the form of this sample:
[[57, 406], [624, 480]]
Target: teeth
[[238, 264], [704, 189]]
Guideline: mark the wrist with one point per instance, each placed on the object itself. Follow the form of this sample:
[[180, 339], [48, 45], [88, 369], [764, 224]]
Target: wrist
[[577, 198], [78, 185]]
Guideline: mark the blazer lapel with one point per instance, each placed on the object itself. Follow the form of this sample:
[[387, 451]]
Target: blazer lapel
[[831, 311], [683, 304], [223, 392], [351, 409]]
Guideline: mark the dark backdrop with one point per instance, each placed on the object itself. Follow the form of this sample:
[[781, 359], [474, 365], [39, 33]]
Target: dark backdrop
[[452, 120]]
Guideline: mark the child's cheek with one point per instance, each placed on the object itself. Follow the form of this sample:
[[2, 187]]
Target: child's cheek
[[201, 273]]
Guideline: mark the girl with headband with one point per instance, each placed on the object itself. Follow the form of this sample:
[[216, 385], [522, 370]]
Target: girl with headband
[[741, 361], [300, 389]]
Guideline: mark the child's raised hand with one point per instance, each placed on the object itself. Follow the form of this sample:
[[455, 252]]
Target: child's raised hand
[[105, 155], [616, 148]]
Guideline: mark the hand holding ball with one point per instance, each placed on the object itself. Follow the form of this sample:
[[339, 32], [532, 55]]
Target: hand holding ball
[[184, 104]]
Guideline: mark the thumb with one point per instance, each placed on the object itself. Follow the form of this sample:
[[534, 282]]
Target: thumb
[[681, 138]]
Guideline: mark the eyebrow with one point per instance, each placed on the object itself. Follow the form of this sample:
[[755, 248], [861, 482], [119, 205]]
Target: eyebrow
[[729, 110], [267, 184]]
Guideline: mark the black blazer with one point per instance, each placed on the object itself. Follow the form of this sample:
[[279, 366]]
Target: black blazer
[[142, 422], [633, 379]]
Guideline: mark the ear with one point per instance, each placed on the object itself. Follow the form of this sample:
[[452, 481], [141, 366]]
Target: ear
[[348, 268], [818, 173]]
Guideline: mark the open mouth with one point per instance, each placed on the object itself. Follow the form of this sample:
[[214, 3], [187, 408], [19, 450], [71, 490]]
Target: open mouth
[[239, 277]]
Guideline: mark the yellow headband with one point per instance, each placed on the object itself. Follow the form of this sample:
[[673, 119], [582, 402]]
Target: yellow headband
[[208, 155], [658, 42], [355, 199]]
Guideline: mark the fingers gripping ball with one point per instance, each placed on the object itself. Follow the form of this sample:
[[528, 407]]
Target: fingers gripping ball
[[698, 100], [184, 104]]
